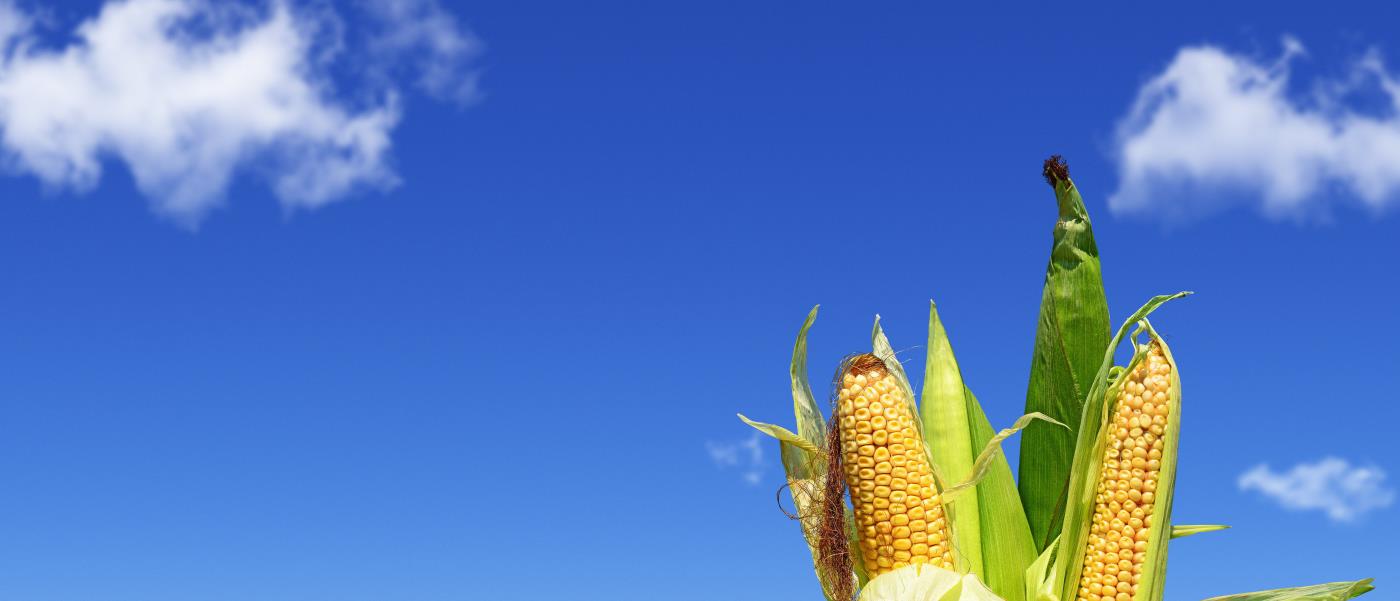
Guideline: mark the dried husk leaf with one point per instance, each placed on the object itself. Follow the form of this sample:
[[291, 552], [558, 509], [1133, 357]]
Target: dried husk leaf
[[803, 456]]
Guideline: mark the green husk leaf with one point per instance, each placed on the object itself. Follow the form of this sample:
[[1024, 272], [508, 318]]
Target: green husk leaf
[[1087, 458], [924, 582], [948, 438], [1184, 531], [1039, 576], [1334, 591], [810, 425], [990, 533], [1071, 335]]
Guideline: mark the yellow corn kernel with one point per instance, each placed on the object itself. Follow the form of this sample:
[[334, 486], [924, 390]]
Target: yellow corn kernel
[[891, 483]]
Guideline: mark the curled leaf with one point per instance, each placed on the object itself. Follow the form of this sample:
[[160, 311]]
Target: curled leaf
[[784, 435], [992, 450]]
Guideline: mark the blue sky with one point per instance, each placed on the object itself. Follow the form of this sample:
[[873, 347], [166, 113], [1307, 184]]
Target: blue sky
[[463, 311]]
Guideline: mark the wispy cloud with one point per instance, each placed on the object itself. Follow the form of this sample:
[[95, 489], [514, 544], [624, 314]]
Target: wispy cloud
[[187, 94], [1215, 125], [1331, 485], [421, 28], [744, 455]]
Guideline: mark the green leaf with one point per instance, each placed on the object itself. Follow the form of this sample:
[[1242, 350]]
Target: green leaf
[[1184, 531], [1071, 335], [948, 437], [1335, 591], [990, 533], [1040, 577]]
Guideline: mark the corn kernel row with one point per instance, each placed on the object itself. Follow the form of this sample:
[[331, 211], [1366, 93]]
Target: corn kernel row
[[1127, 486]]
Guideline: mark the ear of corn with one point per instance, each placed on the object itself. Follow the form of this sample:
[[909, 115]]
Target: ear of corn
[[1103, 534], [899, 513], [1125, 555], [1071, 335], [1085, 533]]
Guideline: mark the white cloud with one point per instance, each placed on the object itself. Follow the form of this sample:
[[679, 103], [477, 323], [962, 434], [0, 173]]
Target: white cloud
[[1331, 485], [13, 23], [187, 94], [745, 455], [424, 31], [1216, 125]]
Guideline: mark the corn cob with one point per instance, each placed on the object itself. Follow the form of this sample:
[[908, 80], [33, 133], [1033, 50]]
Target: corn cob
[[1124, 502], [899, 513]]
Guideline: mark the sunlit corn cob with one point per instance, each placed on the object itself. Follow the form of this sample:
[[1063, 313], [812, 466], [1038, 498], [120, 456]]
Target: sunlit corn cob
[[898, 512], [1127, 486]]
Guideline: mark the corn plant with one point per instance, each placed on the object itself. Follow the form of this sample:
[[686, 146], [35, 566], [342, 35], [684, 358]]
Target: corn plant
[[901, 500]]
